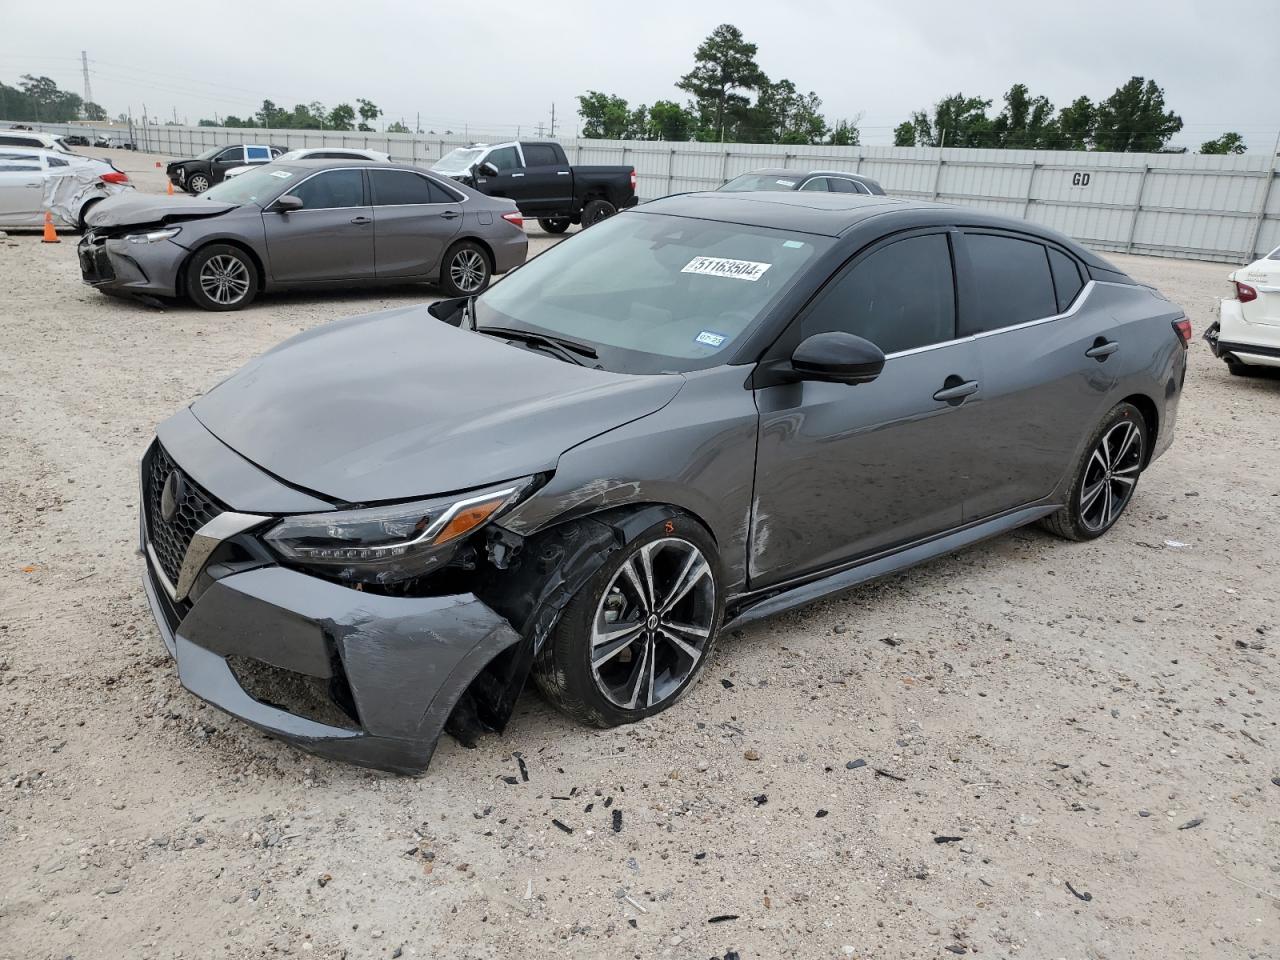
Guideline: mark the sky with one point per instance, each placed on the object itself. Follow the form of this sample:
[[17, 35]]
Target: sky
[[498, 66]]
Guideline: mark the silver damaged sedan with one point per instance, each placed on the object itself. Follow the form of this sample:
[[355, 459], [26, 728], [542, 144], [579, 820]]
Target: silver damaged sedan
[[304, 224]]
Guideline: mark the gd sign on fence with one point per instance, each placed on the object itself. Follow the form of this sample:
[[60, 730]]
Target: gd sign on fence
[[1080, 179]]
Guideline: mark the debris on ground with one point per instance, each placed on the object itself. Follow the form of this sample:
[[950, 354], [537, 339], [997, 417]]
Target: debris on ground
[[723, 918], [855, 764], [891, 776], [761, 799], [752, 754], [563, 826], [617, 821], [1086, 896], [943, 839], [1192, 823]]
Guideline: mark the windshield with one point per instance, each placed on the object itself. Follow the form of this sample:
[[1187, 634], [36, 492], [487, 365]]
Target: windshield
[[762, 181], [258, 185], [653, 293], [210, 153], [458, 161]]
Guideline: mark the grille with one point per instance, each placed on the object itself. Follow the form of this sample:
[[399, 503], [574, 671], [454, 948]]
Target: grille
[[170, 538]]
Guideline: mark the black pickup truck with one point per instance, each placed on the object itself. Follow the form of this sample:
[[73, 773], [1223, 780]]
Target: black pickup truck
[[538, 177]]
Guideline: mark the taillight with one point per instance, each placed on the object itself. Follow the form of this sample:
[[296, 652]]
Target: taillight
[[514, 218], [633, 179], [115, 176], [1245, 293], [1183, 329]]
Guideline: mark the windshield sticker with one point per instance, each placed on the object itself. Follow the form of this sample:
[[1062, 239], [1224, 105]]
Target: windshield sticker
[[785, 183], [710, 338], [793, 244], [720, 267], [281, 174]]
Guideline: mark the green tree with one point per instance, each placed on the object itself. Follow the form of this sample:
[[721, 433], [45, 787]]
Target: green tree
[[956, 121], [46, 102], [671, 122], [1134, 119], [904, 134], [1230, 142], [1026, 122], [1075, 125], [369, 112], [845, 133], [342, 117], [398, 127], [93, 111], [604, 115], [724, 64], [782, 114], [269, 115]]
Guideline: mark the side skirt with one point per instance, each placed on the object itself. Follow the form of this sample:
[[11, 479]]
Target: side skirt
[[770, 602]]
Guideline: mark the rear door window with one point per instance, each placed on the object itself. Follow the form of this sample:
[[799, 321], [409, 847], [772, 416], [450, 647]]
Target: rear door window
[[900, 297], [14, 161], [257, 154], [231, 155], [840, 185], [1011, 283], [540, 155], [816, 183], [392, 188], [1067, 281]]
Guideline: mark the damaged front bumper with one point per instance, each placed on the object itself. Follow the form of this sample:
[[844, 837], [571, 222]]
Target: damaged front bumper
[[354, 676], [115, 265]]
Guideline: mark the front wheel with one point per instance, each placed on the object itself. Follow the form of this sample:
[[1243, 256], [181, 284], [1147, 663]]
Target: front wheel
[[197, 183], [465, 270], [221, 277], [556, 225], [636, 637], [596, 210], [1105, 478]]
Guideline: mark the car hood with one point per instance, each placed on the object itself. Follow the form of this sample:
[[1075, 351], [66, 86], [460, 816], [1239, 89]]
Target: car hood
[[135, 209], [397, 405]]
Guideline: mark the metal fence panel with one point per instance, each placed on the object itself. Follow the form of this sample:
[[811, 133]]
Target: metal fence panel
[[1220, 208]]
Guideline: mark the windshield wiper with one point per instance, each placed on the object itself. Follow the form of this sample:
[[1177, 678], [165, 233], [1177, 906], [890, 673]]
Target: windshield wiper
[[561, 346]]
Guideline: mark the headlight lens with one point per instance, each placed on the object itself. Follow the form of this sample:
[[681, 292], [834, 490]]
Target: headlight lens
[[154, 236], [391, 543]]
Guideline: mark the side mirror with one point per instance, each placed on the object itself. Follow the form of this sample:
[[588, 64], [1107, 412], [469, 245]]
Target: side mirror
[[449, 311], [488, 169], [837, 357], [287, 203]]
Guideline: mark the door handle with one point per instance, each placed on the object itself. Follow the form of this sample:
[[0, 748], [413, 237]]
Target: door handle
[[362, 220], [450, 215], [562, 173], [517, 175], [1101, 349], [954, 390]]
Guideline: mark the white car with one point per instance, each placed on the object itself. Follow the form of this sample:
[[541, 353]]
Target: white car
[[1247, 332], [67, 185], [322, 153], [32, 138]]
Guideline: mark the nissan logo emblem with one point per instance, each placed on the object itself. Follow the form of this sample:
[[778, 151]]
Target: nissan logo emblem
[[171, 497]]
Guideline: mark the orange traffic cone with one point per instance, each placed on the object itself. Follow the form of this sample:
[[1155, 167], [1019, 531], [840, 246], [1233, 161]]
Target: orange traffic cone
[[50, 234], [170, 185]]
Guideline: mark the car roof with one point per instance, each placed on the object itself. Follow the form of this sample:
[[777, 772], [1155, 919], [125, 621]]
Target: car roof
[[801, 172], [835, 214], [313, 163]]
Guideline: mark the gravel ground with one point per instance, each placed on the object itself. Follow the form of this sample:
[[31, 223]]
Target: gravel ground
[[1095, 723]]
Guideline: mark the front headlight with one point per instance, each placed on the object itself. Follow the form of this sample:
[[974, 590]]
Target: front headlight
[[154, 236], [397, 542]]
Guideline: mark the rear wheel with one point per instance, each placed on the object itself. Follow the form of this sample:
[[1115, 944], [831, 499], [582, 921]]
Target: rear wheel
[[84, 214], [596, 210], [465, 270], [1238, 369], [1105, 478], [197, 183], [636, 637], [556, 225], [221, 277]]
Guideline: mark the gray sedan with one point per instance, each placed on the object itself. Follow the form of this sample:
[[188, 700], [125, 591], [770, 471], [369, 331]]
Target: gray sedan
[[715, 408], [304, 224]]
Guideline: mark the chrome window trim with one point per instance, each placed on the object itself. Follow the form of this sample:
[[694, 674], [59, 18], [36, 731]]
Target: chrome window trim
[[1076, 305]]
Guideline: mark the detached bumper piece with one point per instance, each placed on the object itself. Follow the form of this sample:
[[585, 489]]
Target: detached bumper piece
[[358, 677], [95, 265]]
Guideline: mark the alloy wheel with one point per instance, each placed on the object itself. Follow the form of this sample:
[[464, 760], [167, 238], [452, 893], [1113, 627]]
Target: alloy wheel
[[653, 624], [198, 184], [1110, 476], [467, 271], [224, 279]]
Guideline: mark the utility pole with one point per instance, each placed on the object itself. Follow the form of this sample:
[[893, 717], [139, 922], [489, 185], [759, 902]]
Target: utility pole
[[84, 66], [553, 121]]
